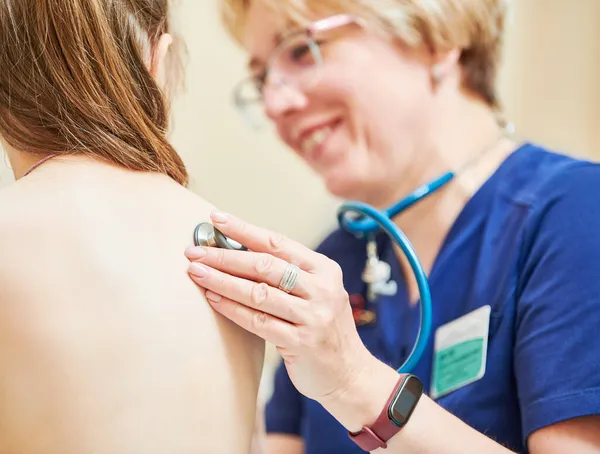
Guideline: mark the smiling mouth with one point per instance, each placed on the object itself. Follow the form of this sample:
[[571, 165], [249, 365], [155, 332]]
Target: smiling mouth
[[315, 140]]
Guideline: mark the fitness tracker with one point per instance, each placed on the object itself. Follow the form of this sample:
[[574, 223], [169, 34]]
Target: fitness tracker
[[394, 416]]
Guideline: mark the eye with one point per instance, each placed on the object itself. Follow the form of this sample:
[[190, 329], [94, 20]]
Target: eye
[[299, 52], [259, 81], [304, 52]]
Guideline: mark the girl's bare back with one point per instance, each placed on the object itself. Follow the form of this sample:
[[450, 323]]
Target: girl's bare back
[[106, 345]]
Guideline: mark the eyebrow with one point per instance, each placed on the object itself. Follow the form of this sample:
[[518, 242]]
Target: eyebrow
[[256, 62]]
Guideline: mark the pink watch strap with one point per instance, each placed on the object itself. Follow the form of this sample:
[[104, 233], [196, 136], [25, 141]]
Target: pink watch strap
[[379, 433]]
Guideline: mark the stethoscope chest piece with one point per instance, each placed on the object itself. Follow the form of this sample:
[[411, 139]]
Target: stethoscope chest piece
[[208, 235]]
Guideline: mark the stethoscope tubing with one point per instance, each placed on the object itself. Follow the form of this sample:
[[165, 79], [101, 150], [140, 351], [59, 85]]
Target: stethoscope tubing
[[383, 222], [374, 221], [366, 227]]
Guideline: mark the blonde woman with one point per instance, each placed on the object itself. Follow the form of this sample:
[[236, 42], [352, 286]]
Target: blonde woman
[[106, 346], [378, 98]]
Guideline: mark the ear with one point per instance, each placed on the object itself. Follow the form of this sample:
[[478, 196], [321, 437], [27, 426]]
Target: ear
[[158, 62], [443, 65]]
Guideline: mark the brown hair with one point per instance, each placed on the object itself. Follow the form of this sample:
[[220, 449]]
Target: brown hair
[[74, 79], [474, 26]]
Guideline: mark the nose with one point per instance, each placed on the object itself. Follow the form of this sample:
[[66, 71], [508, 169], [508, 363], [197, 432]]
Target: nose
[[281, 99]]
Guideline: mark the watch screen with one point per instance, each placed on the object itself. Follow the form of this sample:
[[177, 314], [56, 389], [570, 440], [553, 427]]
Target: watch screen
[[406, 400]]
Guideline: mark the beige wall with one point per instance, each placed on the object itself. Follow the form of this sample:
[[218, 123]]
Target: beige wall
[[240, 170], [552, 72]]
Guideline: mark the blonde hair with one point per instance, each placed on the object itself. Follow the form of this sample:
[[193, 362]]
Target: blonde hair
[[474, 26]]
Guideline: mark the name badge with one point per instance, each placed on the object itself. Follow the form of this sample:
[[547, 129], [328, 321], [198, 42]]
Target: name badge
[[460, 352]]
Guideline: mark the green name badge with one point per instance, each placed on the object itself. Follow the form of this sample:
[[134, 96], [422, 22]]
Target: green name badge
[[460, 352]]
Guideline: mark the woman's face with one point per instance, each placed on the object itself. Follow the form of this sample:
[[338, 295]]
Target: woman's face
[[362, 125]]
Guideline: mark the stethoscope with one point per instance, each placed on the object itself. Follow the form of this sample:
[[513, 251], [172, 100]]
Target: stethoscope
[[373, 221]]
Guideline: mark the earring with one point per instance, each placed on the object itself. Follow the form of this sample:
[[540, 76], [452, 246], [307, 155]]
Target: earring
[[436, 74]]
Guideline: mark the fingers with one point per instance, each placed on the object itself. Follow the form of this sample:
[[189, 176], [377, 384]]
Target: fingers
[[261, 240], [257, 296], [278, 332], [259, 267]]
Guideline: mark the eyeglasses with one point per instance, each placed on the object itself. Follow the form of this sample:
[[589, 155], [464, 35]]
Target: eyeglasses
[[296, 64]]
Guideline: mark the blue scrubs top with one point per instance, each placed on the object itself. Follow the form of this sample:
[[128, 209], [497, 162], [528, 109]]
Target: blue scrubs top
[[528, 245]]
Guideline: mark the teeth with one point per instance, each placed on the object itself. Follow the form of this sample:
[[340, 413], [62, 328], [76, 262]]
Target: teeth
[[315, 139]]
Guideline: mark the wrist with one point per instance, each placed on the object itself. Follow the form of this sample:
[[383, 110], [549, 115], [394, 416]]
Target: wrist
[[360, 401]]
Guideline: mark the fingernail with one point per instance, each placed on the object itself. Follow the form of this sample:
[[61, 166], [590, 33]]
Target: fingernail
[[198, 270], [213, 297], [195, 253], [219, 216]]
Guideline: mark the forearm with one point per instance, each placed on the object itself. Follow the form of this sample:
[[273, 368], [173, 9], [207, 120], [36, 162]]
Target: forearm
[[431, 429]]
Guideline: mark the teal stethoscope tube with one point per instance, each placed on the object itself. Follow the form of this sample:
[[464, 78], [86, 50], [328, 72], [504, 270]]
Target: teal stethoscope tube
[[375, 221]]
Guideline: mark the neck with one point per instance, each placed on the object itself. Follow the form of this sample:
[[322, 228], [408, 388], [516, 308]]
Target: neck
[[22, 162], [472, 131]]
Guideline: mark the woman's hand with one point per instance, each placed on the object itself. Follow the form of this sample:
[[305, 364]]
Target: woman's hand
[[311, 326]]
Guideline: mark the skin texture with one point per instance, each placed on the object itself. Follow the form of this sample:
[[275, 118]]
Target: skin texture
[[106, 346]]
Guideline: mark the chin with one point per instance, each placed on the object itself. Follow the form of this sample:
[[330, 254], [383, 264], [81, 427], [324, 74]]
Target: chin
[[355, 187], [344, 186]]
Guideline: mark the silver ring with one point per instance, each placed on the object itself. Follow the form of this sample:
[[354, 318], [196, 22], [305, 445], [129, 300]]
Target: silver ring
[[289, 278]]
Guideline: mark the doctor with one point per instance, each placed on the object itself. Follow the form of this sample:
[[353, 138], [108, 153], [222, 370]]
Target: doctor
[[379, 98]]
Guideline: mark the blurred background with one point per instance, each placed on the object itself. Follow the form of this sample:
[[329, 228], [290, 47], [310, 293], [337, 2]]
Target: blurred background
[[550, 87]]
